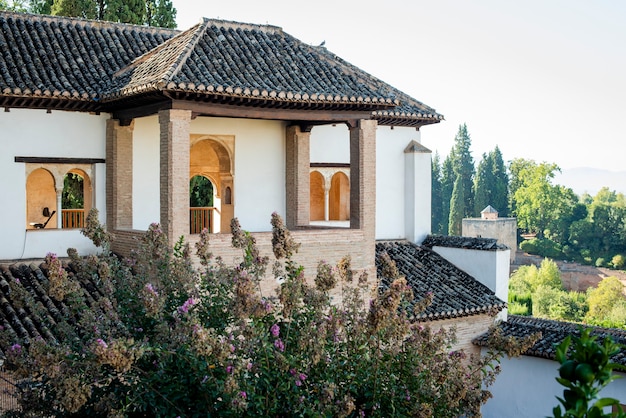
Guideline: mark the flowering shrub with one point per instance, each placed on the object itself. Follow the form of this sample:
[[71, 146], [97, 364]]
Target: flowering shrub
[[165, 339]]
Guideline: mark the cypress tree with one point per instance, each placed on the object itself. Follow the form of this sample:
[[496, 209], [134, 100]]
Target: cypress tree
[[436, 199], [464, 168], [456, 208]]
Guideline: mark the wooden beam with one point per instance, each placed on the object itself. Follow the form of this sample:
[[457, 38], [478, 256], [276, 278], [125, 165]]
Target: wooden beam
[[59, 160], [299, 115]]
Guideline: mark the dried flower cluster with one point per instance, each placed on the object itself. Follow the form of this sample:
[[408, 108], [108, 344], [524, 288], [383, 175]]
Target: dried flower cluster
[[164, 339]]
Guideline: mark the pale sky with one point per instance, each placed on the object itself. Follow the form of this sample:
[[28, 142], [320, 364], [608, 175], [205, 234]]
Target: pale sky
[[542, 79]]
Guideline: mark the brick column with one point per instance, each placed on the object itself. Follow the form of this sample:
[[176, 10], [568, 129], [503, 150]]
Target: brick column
[[297, 166], [363, 187], [174, 125], [119, 175]]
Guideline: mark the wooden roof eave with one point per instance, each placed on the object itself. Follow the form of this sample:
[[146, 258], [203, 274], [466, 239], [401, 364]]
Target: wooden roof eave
[[48, 103], [220, 105]]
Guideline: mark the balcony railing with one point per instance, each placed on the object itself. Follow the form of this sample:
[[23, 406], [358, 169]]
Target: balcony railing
[[73, 218], [200, 218]]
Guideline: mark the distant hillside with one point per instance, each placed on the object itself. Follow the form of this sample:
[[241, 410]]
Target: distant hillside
[[591, 180]]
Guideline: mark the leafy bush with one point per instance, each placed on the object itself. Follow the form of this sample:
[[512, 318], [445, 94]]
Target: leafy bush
[[584, 372], [517, 308], [543, 247], [166, 339], [618, 261], [600, 262]]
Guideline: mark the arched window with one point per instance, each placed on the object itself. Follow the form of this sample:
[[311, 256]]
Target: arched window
[[73, 201], [317, 201], [41, 200], [339, 197]]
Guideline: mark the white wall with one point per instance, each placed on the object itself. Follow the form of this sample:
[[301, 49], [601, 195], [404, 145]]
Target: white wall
[[259, 172], [331, 144], [491, 268], [146, 172], [526, 387], [35, 133]]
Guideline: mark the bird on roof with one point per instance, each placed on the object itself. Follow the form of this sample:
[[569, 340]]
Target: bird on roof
[[323, 43]]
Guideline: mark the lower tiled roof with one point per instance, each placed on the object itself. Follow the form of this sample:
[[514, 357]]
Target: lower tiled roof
[[470, 243], [455, 293], [26, 310], [552, 333]]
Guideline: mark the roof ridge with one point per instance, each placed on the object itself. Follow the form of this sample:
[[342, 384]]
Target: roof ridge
[[84, 21], [181, 46]]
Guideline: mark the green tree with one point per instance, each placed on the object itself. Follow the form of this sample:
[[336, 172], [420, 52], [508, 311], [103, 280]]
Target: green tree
[[456, 208], [539, 205], [483, 185], [436, 198], [447, 185], [463, 165], [140, 12], [160, 13], [491, 184], [602, 299]]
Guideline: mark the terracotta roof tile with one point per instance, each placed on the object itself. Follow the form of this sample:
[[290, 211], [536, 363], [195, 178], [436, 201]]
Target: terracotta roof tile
[[552, 334], [37, 317], [95, 64], [455, 293], [470, 243]]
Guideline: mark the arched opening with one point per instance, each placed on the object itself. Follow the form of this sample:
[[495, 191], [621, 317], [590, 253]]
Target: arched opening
[[75, 199], [339, 197], [41, 200], [210, 166], [317, 201], [201, 198]]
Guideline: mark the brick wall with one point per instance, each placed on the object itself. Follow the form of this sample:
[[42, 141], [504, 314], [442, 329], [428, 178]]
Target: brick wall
[[467, 328], [119, 174]]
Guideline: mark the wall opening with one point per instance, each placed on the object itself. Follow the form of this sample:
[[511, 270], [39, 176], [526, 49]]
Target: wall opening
[[201, 198], [339, 198]]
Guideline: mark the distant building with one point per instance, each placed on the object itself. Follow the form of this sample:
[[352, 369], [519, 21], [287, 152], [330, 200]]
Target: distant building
[[489, 225]]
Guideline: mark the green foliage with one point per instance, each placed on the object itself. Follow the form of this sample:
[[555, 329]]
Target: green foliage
[[463, 166], [491, 184], [162, 338], [447, 185], [542, 246], [618, 261], [200, 192], [584, 372], [518, 308], [552, 303], [73, 192], [603, 299], [436, 211], [140, 12], [457, 204]]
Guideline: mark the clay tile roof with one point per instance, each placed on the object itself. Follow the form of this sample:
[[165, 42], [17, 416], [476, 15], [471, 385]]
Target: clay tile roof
[[79, 64], [552, 334], [37, 317], [455, 293], [470, 243], [489, 209]]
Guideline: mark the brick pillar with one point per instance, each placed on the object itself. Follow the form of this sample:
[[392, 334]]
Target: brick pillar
[[174, 125], [363, 186], [119, 175], [297, 177]]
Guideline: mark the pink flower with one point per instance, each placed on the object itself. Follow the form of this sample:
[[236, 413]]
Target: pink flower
[[188, 304], [101, 343], [229, 369], [280, 346], [275, 330], [16, 348], [243, 394]]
